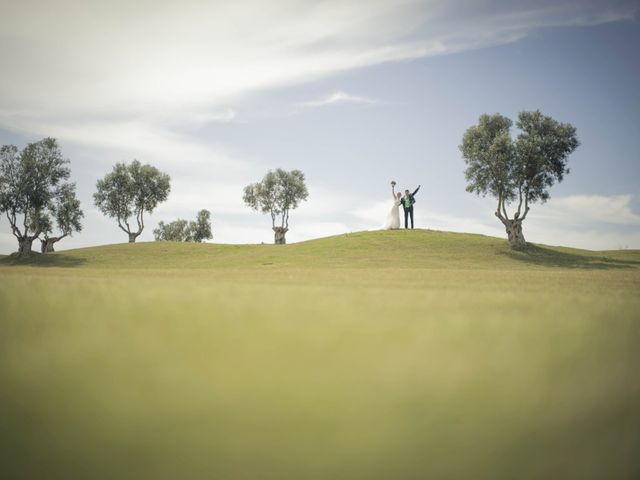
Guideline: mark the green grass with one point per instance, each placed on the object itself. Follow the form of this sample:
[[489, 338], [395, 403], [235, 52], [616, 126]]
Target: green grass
[[378, 355]]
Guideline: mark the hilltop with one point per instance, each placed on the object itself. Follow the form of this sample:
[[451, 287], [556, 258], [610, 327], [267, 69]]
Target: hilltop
[[375, 249]]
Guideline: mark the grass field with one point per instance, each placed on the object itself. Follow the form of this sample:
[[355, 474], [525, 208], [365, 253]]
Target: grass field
[[379, 355]]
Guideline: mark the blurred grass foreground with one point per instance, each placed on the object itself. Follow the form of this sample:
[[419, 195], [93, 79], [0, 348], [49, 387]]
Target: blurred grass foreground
[[379, 355]]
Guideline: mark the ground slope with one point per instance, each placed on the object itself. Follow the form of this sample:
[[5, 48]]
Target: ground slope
[[403, 249], [372, 355]]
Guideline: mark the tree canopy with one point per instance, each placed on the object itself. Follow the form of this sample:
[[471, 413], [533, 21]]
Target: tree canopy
[[130, 190], [34, 188], [186, 231], [519, 171], [277, 194]]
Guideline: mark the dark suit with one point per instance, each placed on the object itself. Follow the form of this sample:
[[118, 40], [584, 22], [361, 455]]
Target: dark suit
[[408, 211]]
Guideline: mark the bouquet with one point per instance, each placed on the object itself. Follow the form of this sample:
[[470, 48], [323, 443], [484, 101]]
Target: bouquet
[[393, 183]]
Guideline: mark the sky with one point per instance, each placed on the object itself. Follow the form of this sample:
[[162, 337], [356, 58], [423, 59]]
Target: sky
[[353, 93]]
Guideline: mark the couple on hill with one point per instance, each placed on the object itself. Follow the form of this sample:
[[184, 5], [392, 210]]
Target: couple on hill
[[407, 201]]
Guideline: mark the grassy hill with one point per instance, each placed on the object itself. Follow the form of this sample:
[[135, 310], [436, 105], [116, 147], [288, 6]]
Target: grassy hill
[[381, 249], [372, 355]]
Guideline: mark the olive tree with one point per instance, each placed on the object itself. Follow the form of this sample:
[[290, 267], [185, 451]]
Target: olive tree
[[517, 172], [131, 190], [278, 193], [185, 231], [32, 187]]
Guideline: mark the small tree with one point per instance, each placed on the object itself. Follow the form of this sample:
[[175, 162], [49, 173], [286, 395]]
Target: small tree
[[32, 182], [130, 191], [519, 171], [183, 231], [67, 214], [278, 193], [176, 231], [201, 228]]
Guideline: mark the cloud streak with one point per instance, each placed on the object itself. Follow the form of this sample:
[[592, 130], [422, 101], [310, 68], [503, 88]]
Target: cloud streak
[[337, 97], [180, 56], [587, 209]]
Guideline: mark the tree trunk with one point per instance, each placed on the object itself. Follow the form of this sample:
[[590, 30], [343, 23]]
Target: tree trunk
[[24, 245], [279, 236], [132, 237], [514, 233], [47, 244]]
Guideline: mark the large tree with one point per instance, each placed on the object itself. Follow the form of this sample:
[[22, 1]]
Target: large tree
[[517, 172], [184, 231], [66, 213], [131, 190], [32, 186], [278, 193]]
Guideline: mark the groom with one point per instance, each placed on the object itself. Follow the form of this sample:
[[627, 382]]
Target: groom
[[407, 204]]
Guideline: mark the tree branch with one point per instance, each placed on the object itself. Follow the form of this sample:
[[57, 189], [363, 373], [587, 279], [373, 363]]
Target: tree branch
[[35, 235], [24, 222], [504, 209], [12, 222], [125, 230], [517, 215], [498, 213], [140, 220], [526, 206]]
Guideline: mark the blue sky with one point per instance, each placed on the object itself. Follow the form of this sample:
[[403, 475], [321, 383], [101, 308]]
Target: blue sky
[[352, 93]]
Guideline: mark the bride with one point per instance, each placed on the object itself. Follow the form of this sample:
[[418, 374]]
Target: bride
[[393, 218]]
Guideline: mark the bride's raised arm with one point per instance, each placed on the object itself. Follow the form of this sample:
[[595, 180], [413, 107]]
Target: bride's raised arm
[[393, 191]]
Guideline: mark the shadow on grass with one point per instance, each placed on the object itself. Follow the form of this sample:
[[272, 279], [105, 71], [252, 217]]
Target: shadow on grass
[[547, 257], [39, 260]]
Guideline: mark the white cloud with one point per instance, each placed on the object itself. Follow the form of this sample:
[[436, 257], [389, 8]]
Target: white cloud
[[337, 97], [586, 209], [159, 57], [126, 74], [596, 222], [226, 115], [589, 239]]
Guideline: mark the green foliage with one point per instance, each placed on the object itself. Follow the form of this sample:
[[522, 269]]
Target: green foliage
[[185, 231], [33, 186], [543, 148], [67, 212], [489, 153], [522, 170], [201, 228], [131, 190], [278, 193], [176, 231]]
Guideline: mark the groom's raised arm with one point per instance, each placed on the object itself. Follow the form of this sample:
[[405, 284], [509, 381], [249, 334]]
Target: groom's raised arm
[[416, 190]]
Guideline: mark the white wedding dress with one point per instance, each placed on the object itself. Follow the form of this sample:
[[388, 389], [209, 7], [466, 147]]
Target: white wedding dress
[[393, 217]]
